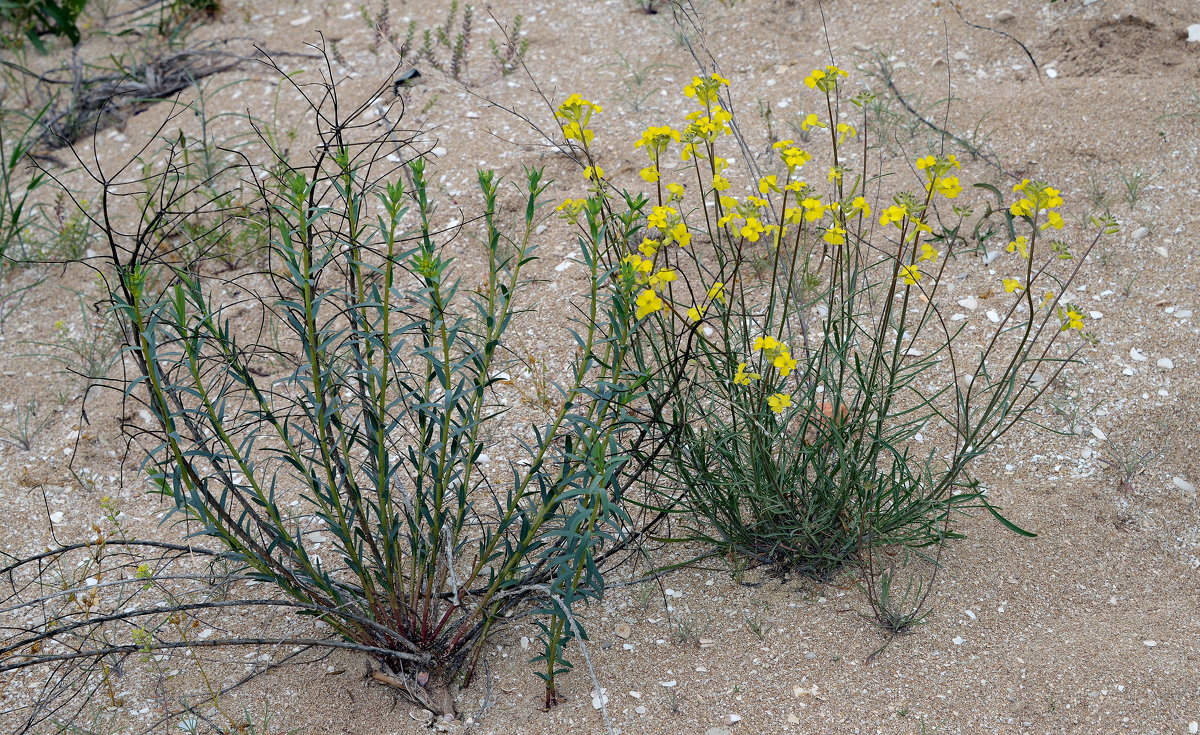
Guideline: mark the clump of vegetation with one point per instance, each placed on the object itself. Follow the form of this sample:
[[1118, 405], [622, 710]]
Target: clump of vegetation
[[832, 407], [348, 477]]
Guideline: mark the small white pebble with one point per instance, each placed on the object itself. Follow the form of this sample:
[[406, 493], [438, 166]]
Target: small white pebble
[[958, 640], [1137, 354], [1165, 363], [1151, 644], [1099, 433]]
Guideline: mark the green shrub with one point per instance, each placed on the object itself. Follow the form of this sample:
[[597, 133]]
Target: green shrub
[[378, 423], [831, 404]]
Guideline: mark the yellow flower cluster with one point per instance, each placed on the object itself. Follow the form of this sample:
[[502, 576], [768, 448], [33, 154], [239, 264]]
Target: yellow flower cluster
[[1038, 197], [777, 353], [655, 140], [705, 89], [574, 115], [824, 79], [936, 168]]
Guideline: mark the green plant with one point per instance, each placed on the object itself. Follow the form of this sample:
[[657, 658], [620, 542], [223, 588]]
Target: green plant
[[639, 82], [685, 629], [510, 55], [29, 20], [1068, 401], [87, 350], [1129, 459], [754, 624], [453, 37], [26, 424], [1135, 183], [17, 137], [379, 422], [899, 610], [831, 407]]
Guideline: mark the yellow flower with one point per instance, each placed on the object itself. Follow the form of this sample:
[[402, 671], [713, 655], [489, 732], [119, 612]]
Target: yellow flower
[[570, 209], [910, 274], [778, 402], [795, 157], [925, 162], [824, 79], [648, 247], [1071, 318], [1053, 219], [696, 313], [811, 121], [928, 252], [893, 214], [650, 174], [813, 209], [574, 114], [680, 234], [835, 173], [1047, 298], [648, 302], [705, 89], [1020, 245], [717, 292], [752, 229], [834, 236], [947, 187], [664, 275], [767, 183], [1012, 285], [784, 362], [640, 267], [860, 205], [1022, 208], [676, 192], [720, 183], [741, 377], [766, 343], [845, 131], [656, 139], [593, 173], [658, 217], [1053, 199]]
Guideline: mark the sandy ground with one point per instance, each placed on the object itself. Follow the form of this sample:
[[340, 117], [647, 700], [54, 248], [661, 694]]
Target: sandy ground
[[1091, 627]]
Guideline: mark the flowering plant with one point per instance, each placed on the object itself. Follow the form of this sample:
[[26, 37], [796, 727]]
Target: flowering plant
[[833, 403]]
